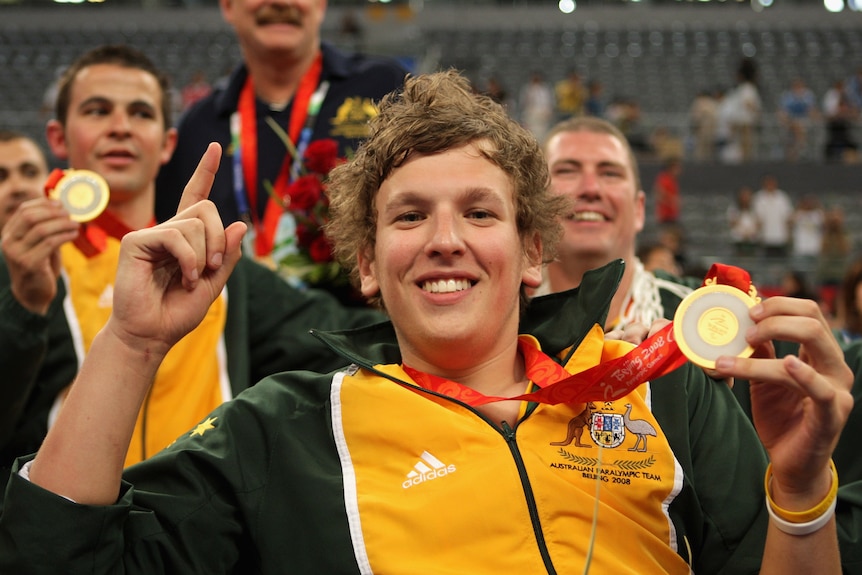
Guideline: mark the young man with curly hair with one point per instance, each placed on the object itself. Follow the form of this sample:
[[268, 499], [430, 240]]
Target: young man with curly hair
[[421, 455]]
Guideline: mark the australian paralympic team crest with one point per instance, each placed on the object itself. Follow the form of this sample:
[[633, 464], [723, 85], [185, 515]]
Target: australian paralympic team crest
[[351, 118], [608, 429]]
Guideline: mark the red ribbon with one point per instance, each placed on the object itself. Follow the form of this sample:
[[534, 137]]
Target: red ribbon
[[656, 356], [728, 275], [265, 232]]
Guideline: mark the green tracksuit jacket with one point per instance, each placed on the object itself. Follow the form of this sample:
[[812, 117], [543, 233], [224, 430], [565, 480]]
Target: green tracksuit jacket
[[266, 331], [361, 471]]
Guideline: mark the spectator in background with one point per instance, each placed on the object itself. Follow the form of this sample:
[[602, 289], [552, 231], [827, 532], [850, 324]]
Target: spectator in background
[[743, 223], [727, 147], [571, 95], [197, 89], [794, 283], [807, 232], [595, 104], [494, 89], [536, 102], [853, 89], [673, 238], [833, 255], [657, 256], [667, 196], [665, 144], [840, 117], [625, 114], [849, 308], [774, 210], [797, 111], [745, 106], [703, 121], [23, 170]]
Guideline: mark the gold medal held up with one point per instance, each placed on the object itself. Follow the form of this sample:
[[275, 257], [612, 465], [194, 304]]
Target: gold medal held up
[[83, 193], [711, 321]]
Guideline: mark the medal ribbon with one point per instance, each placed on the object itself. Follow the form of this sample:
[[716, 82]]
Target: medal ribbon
[[729, 275], [93, 235], [656, 356], [302, 101]]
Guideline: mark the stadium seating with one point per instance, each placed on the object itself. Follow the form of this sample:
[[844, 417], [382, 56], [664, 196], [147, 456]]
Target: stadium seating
[[662, 58]]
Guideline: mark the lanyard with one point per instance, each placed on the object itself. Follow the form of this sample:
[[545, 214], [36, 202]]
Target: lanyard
[[306, 106], [607, 381], [656, 356]]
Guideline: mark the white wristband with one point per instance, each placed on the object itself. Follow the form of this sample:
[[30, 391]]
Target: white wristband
[[802, 528]]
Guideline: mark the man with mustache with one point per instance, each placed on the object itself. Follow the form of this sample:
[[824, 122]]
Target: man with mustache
[[286, 68], [23, 170]]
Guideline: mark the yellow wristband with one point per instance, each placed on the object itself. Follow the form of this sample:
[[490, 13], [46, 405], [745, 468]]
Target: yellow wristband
[[809, 514]]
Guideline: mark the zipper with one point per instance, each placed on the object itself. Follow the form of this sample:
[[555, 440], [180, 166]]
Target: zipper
[[504, 429], [509, 435]]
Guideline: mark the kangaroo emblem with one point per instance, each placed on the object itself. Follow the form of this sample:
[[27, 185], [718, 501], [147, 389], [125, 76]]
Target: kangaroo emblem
[[576, 427]]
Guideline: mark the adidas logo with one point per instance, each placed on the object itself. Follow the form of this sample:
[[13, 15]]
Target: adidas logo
[[428, 468]]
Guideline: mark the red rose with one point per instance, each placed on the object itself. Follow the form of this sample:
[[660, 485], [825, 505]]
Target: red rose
[[304, 192], [321, 156], [304, 235], [320, 250]]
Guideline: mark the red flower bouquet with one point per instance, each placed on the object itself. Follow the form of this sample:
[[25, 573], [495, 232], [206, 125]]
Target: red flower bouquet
[[305, 256]]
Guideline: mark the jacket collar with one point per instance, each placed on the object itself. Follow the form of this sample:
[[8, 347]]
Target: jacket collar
[[558, 321]]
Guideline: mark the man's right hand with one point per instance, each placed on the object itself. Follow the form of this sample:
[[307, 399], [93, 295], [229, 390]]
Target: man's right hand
[[30, 243], [169, 275]]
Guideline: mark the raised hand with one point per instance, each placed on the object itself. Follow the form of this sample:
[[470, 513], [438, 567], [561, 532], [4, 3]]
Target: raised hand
[[169, 275], [167, 278], [799, 403]]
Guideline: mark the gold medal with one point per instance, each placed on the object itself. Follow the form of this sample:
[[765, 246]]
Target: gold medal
[[711, 321], [83, 193]]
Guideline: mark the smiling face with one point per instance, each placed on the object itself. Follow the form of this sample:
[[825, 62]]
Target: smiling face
[[594, 170], [22, 174], [114, 126], [448, 259], [289, 28]]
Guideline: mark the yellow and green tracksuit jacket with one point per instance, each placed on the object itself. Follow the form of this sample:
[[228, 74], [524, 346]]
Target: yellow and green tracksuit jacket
[[362, 471], [258, 326]]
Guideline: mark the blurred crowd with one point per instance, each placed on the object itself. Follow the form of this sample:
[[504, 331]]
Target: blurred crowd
[[724, 122]]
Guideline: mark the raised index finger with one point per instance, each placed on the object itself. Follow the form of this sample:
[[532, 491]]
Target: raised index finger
[[201, 182]]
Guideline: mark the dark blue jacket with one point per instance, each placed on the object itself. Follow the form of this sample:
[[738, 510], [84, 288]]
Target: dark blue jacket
[[356, 80]]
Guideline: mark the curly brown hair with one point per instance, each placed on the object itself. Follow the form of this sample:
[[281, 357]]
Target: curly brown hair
[[434, 113]]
